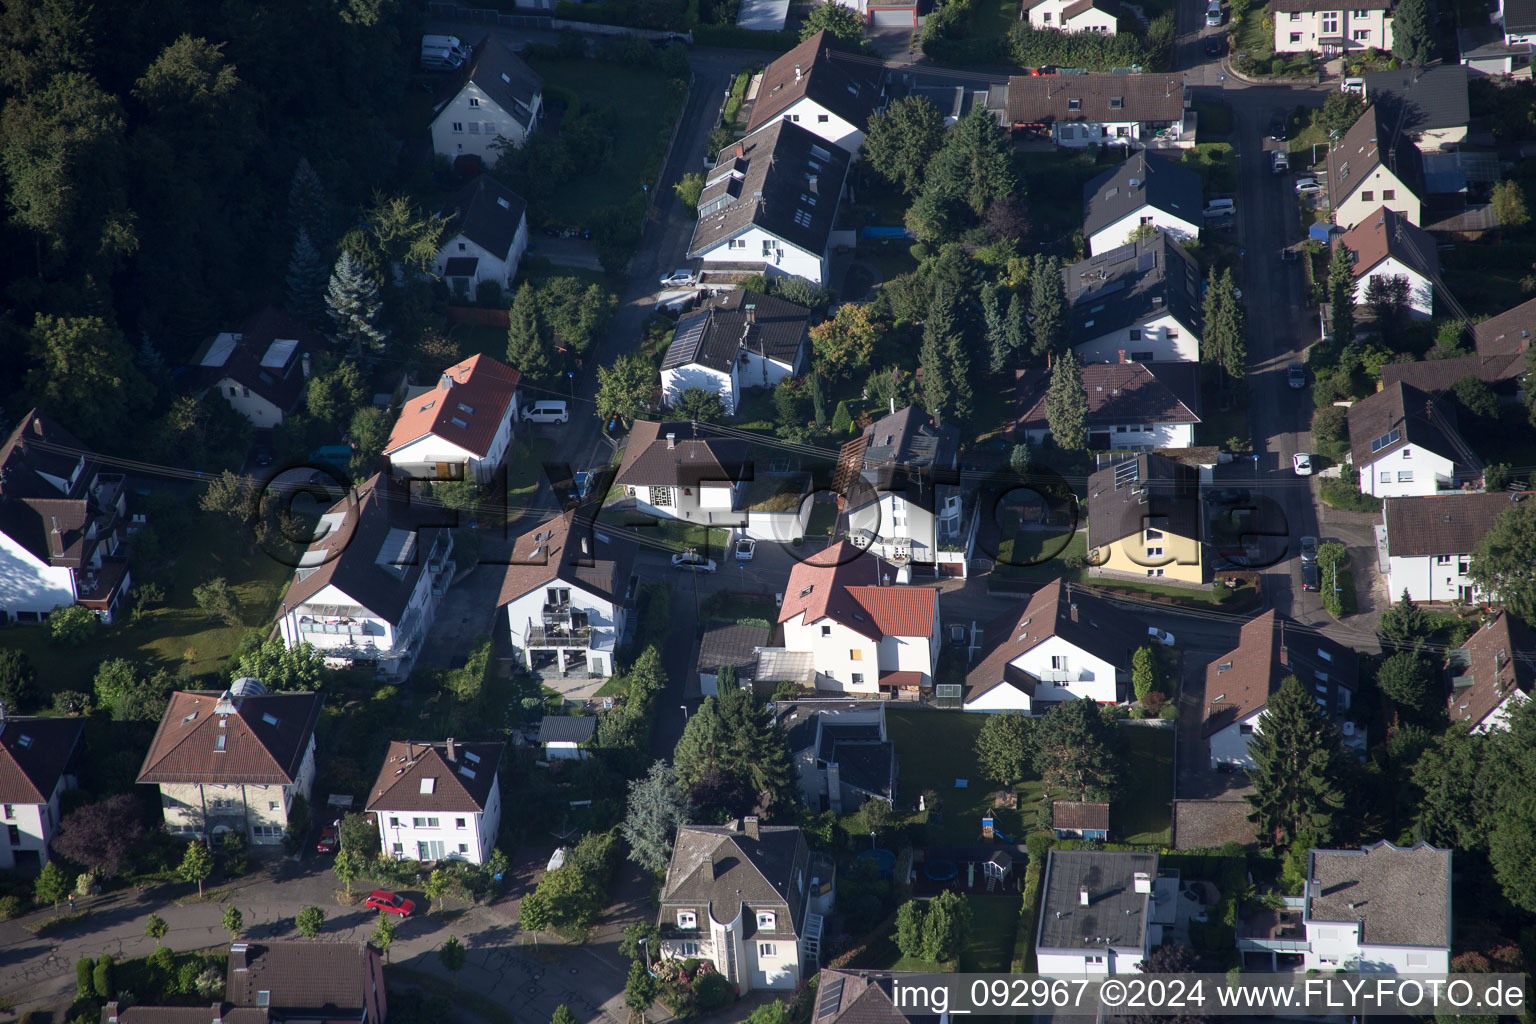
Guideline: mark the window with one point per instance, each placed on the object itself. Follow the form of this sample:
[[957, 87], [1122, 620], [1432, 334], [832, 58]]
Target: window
[[1439, 560], [1154, 534], [474, 127], [687, 919], [10, 812], [394, 822], [767, 950], [1295, 36], [1046, 19], [686, 949], [1058, 661], [473, 102], [1116, 102], [271, 805], [1136, 331], [1094, 959], [826, 630], [1155, 552], [1074, 104], [459, 823], [661, 497], [428, 784], [766, 919], [1295, 15], [1389, 193], [1362, 14], [1386, 476], [822, 118], [792, 117], [1142, 357], [458, 127], [1171, 334], [1331, 23], [1418, 959], [1362, 34], [232, 392], [855, 655], [1246, 729], [432, 850], [15, 834], [736, 243], [1154, 572], [398, 851], [857, 679], [424, 823], [1405, 476]]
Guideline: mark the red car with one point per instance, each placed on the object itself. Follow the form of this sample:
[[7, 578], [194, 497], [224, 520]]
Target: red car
[[329, 841], [389, 903]]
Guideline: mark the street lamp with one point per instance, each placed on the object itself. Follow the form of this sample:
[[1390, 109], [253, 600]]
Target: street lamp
[[871, 839], [685, 711]]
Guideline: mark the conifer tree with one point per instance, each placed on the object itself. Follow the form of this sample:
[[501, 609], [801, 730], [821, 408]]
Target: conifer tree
[[961, 404], [1066, 405], [1298, 768], [352, 301], [1341, 296], [938, 329], [1047, 307], [527, 349], [309, 208], [306, 281], [1015, 329], [996, 326]]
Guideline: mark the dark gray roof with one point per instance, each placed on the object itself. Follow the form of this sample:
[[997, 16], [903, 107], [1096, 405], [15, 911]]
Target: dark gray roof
[[245, 362], [864, 997], [331, 981], [1400, 895], [766, 181], [1116, 914], [1131, 284], [1519, 16], [566, 729], [716, 333], [799, 718], [1421, 99], [1162, 183], [487, 213], [719, 867], [51, 520], [1118, 393], [899, 453], [1371, 142], [823, 70], [1147, 489], [1401, 414], [864, 760], [1443, 524], [731, 644], [34, 753], [558, 549], [691, 457], [503, 76]]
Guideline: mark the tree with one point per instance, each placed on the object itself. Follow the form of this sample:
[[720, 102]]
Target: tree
[[306, 281], [1297, 778], [369, 430], [1388, 298], [1005, 747], [842, 418], [1408, 681], [454, 956], [1411, 40], [938, 331], [230, 495], [733, 735], [1007, 220], [1224, 343], [818, 400], [1508, 200], [101, 978], [835, 19], [1341, 295], [437, 885], [394, 239], [657, 806], [1340, 111], [83, 363], [1021, 458], [997, 338], [1015, 330], [1451, 774], [359, 834], [52, 884], [1404, 626], [579, 314], [957, 365], [639, 988], [347, 867], [233, 922], [910, 917], [216, 598], [280, 667], [689, 189], [1504, 560], [309, 922], [1143, 672], [562, 1015], [1510, 776], [902, 139], [1476, 400], [1066, 405], [353, 304], [973, 165], [945, 927], [100, 836], [842, 346], [626, 388], [132, 695], [1075, 751], [155, 928], [1047, 308], [18, 681], [384, 933], [309, 208], [771, 1013], [196, 864], [1176, 960]]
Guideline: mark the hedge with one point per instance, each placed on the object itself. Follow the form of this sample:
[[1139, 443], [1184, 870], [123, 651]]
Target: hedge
[[731, 37]]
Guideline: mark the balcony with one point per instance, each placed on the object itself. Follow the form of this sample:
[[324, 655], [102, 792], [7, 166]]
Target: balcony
[[442, 572], [558, 614], [1262, 930], [540, 637], [341, 627]]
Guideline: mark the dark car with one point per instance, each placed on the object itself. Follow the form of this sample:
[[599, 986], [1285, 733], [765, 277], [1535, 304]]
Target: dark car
[[1278, 129], [1309, 576], [1213, 46], [328, 840], [262, 454]]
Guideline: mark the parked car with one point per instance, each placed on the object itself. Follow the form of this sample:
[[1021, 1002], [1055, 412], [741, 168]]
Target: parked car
[[1277, 127], [692, 561], [1213, 46], [1280, 163], [1220, 208], [1309, 576], [547, 411], [1287, 255], [330, 840], [1301, 462], [1308, 550], [389, 903], [1308, 185], [1296, 376], [746, 547], [1162, 636], [681, 276], [1213, 13], [262, 454]]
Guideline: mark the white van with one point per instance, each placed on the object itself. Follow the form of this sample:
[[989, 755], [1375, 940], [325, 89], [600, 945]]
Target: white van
[[443, 53], [546, 412], [1220, 208]]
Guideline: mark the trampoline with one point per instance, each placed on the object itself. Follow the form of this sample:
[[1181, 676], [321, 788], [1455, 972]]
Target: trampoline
[[940, 870], [885, 861]]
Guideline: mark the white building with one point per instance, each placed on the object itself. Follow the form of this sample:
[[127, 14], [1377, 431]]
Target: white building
[[769, 204], [900, 485], [261, 370], [438, 801], [459, 427], [1061, 644], [63, 524], [1139, 302], [750, 899], [1430, 540], [1371, 166], [568, 594], [486, 236], [1405, 443], [1144, 193], [496, 96], [38, 760], [1131, 406], [823, 87], [1239, 684], [367, 591], [1097, 913], [1384, 246], [1492, 673], [680, 472], [1077, 111], [233, 760], [1381, 909], [864, 638], [739, 339], [1329, 28], [1101, 16]]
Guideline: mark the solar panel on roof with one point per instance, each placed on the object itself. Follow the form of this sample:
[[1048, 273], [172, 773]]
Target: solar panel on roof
[[831, 997]]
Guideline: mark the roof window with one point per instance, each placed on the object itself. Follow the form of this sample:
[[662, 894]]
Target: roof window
[[269, 718], [428, 785]]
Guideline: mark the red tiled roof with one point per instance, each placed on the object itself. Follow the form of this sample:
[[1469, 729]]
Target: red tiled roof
[[34, 752], [901, 680], [466, 412], [408, 764], [254, 739], [1501, 662], [823, 586]]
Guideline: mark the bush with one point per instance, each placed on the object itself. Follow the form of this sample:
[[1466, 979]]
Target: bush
[[10, 906], [72, 626], [101, 977], [84, 973], [729, 37]]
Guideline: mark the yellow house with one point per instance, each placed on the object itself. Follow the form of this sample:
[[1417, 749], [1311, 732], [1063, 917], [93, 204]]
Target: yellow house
[[1144, 520]]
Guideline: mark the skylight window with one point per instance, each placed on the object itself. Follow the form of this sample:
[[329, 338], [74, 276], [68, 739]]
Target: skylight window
[[1391, 437], [1116, 102], [219, 741], [268, 718], [460, 423], [24, 740], [469, 409], [820, 154], [428, 785], [189, 718], [467, 771], [427, 405], [807, 591], [471, 757]]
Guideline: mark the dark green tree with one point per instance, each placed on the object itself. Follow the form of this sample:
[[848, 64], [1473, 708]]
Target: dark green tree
[[453, 956], [1340, 111], [309, 922], [306, 281], [1224, 343], [1412, 42], [1015, 328], [1409, 682], [731, 740], [1297, 778], [353, 304], [84, 375], [1404, 626], [835, 20], [18, 682], [939, 334], [902, 139], [1075, 752], [309, 207], [1504, 560], [974, 163], [909, 927], [1066, 405], [1341, 295], [945, 927], [1005, 747], [626, 388], [1047, 308], [1511, 781], [527, 340], [696, 404], [996, 327], [639, 988], [1454, 809], [1143, 672], [657, 806], [1388, 298]]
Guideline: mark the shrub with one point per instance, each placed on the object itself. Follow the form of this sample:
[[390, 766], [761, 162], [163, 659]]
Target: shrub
[[10, 906], [72, 626], [1170, 713], [84, 971], [101, 977]]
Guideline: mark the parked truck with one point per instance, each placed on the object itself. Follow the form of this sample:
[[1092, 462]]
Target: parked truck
[[444, 53]]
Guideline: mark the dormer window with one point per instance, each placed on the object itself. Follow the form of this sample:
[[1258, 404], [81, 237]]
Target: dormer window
[[1074, 104], [1116, 102], [766, 920], [687, 920], [428, 785]]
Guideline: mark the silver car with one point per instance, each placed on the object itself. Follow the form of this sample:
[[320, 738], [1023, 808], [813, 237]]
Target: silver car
[[1308, 550]]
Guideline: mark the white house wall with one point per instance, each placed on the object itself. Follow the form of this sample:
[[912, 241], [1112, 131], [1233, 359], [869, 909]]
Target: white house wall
[[1428, 578], [1082, 675], [498, 267], [466, 836], [420, 458], [1334, 945], [814, 117], [1497, 720], [1116, 234], [1112, 961], [1080, 135], [1093, 20], [694, 375], [35, 825], [30, 585], [832, 655], [1421, 296], [1300, 31], [781, 258], [1371, 194], [1005, 697], [1430, 473], [377, 631], [1162, 340], [1230, 745], [1134, 435], [262, 413], [454, 144]]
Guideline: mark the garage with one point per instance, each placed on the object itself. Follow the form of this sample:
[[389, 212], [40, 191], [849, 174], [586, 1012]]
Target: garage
[[893, 17]]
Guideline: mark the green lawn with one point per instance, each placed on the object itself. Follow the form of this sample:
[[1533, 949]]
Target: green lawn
[[993, 18], [1144, 812], [823, 519], [935, 748], [642, 106], [525, 469], [1214, 162], [988, 945], [1484, 277], [1217, 425], [1022, 546]]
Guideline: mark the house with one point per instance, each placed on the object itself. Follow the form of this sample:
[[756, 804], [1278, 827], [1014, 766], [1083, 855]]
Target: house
[[1381, 909], [1429, 104], [1386, 245], [1139, 302], [842, 753], [261, 370], [1102, 109], [1492, 673], [564, 737], [1501, 353], [1496, 48], [899, 483], [569, 590], [1404, 443], [1135, 406], [869, 997], [486, 234], [460, 427], [438, 801], [769, 204], [1323, 26], [1080, 819], [1430, 539], [1371, 166], [1063, 643], [496, 97], [729, 645], [1144, 520], [233, 760], [1268, 650], [1144, 193], [38, 759], [63, 524], [669, 470], [1096, 912], [737, 340], [1101, 16], [368, 589], [824, 87], [864, 638], [283, 982], [749, 898]]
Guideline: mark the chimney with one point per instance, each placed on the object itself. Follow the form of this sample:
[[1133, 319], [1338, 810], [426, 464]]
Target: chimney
[[218, 1013], [237, 956], [1082, 897], [1143, 882], [2, 713], [1285, 654], [453, 754], [304, 363], [112, 1012], [751, 310], [741, 151], [797, 73], [1122, 355], [749, 825], [584, 549], [410, 752], [811, 181], [671, 441], [445, 382], [1073, 607], [55, 521]]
